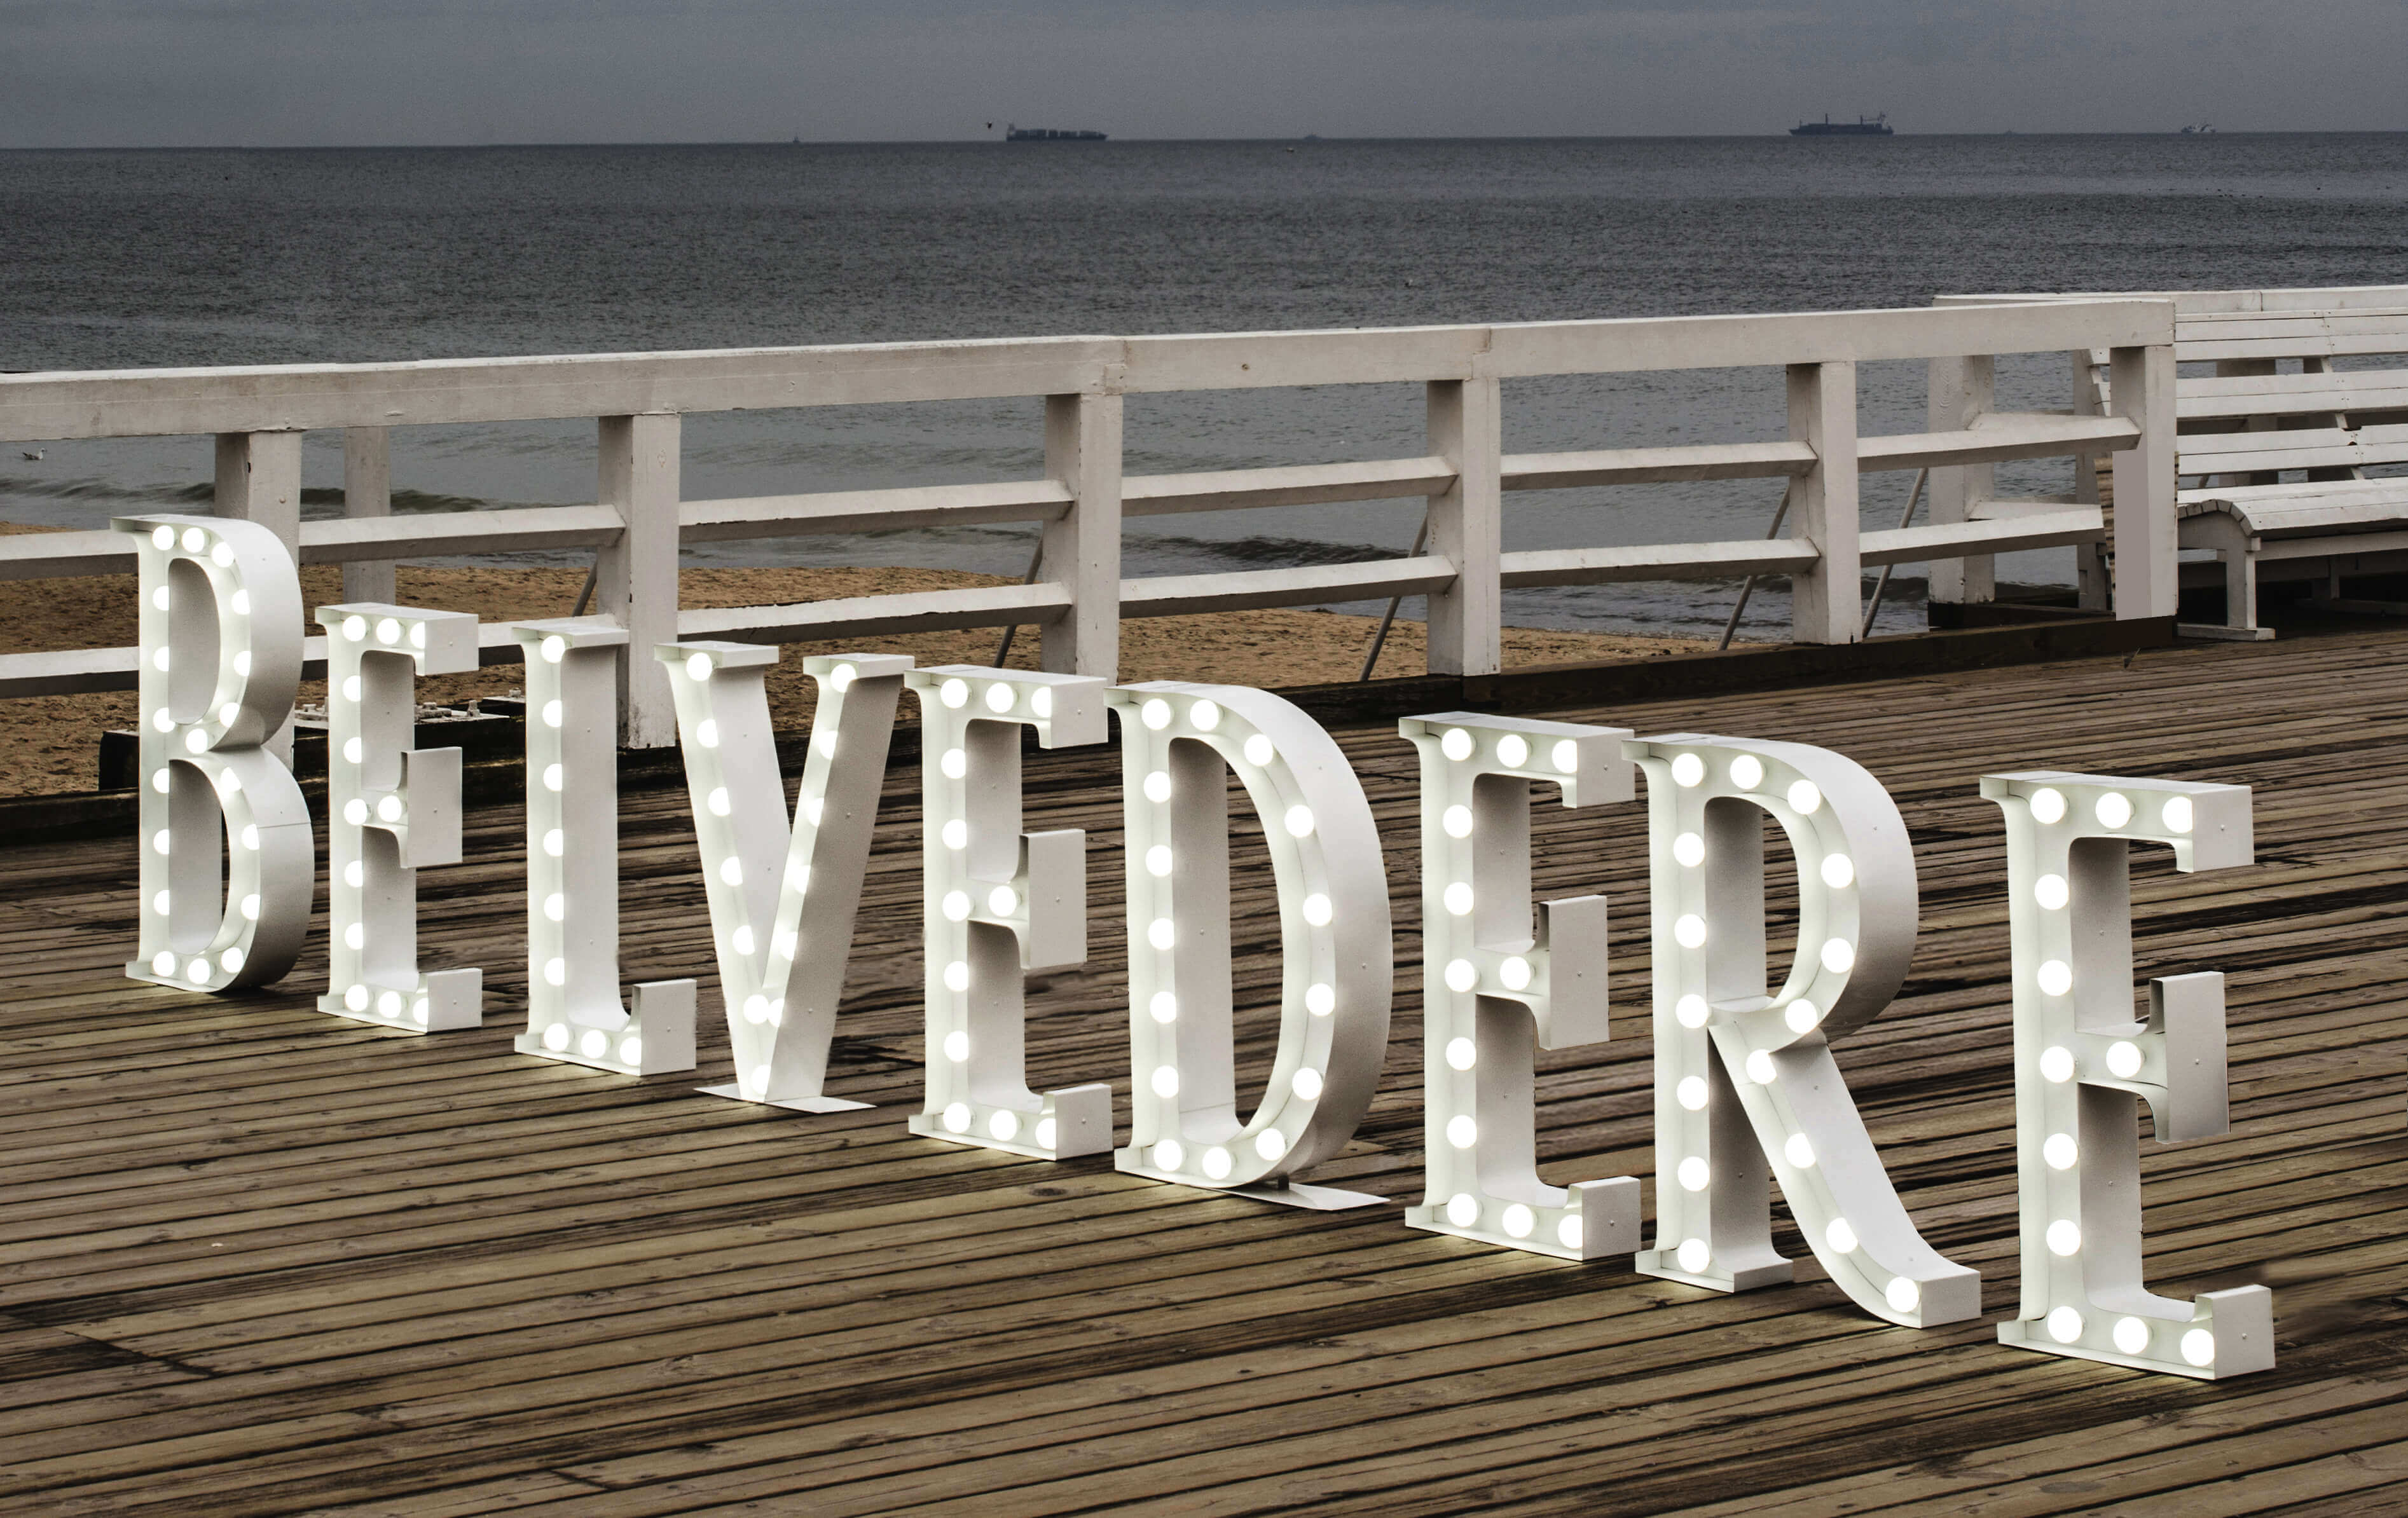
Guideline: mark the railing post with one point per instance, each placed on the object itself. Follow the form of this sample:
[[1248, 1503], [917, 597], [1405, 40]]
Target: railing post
[[2090, 559], [1826, 602], [1963, 386], [368, 491], [1467, 527], [1082, 549], [2140, 385], [637, 583], [259, 479]]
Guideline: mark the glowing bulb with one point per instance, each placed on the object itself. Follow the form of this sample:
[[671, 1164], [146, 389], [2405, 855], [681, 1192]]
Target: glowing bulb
[[957, 976], [389, 808], [823, 741], [1804, 798], [957, 905], [159, 781], [2064, 1324], [554, 776], [1162, 933], [1689, 850], [1902, 1295], [956, 834], [1156, 714], [352, 752], [355, 997], [1513, 751], [159, 660], [1760, 1068], [1204, 716], [196, 741], [251, 909], [841, 679], [1462, 1210], [593, 1043], [1461, 975], [555, 907], [1688, 770], [1169, 1155], [2131, 1334], [2051, 893], [356, 936], [242, 661], [706, 733], [1747, 772], [1461, 1131], [160, 841], [2113, 809], [1457, 822], [1216, 1163], [1041, 703], [555, 1038], [355, 875], [1519, 1221], [1691, 1093], [2178, 814], [163, 537], [1565, 756], [1801, 1016], [698, 667], [631, 1052], [999, 698], [2060, 1151], [717, 802], [162, 720], [1457, 744], [1165, 1080], [1841, 1236], [1692, 1011], [1693, 1255], [355, 629], [2047, 805], [1839, 955], [1838, 873], [1044, 1125], [2123, 1059], [1300, 822], [955, 764], [1689, 931], [2056, 977], [555, 843], [1162, 1006], [954, 693], [163, 962], [556, 971], [1696, 1173], [240, 602], [756, 1009], [1320, 999], [957, 1118], [1270, 1143], [1458, 898], [1800, 1152], [2198, 1347], [1568, 1232], [2057, 1064], [1317, 910], [1002, 901], [2064, 1237], [1003, 1125], [1514, 972], [389, 1006], [1157, 786], [1158, 861], [1260, 750], [552, 714]]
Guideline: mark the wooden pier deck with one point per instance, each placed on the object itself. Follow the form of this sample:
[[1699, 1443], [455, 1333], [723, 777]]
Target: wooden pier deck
[[254, 1260]]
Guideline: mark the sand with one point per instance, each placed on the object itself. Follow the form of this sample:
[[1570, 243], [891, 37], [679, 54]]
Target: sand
[[51, 744]]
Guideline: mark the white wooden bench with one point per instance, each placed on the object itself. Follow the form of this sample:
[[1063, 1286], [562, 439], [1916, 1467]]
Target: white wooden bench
[[2273, 448]]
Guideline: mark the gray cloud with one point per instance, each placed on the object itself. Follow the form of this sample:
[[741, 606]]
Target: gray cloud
[[302, 72]]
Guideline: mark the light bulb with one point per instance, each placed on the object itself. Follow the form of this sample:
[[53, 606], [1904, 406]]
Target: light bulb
[[2047, 805], [1165, 1080], [1519, 1221], [1157, 786], [2057, 1064], [957, 1118], [954, 693], [1204, 716], [2198, 1347], [957, 905], [631, 1052], [554, 648], [1456, 821], [1169, 1155], [1568, 1232], [554, 776], [706, 733], [1306, 1084], [2178, 814], [1689, 850], [556, 972], [956, 834], [2124, 1059], [555, 842], [1461, 975], [553, 714], [1320, 999], [389, 808], [1693, 1255], [1317, 911], [1461, 1131], [1002, 901], [1689, 931], [555, 907], [555, 1038], [1462, 1210], [742, 939], [1216, 1163], [1691, 1094], [2131, 1334], [731, 870], [1514, 972], [1800, 1151], [355, 875], [999, 698], [2056, 977], [1162, 933], [1300, 822], [953, 762], [355, 997], [163, 962], [1688, 770], [356, 936], [841, 679], [2113, 810], [1513, 751], [1760, 1068], [1747, 772], [1044, 1125], [1462, 1053], [1693, 1011], [1801, 1016], [2050, 891], [1565, 756], [355, 629], [1158, 861], [698, 667], [1458, 898], [1841, 1236], [1004, 1126], [2064, 1324], [1260, 751], [1162, 1006], [1271, 1144], [1156, 714], [593, 1043], [1456, 745], [1838, 871], [2064, 1237], [1695, 1173], [1901, 1294], [2060, 1151], [163, 537], [957, 976], [823, 742]]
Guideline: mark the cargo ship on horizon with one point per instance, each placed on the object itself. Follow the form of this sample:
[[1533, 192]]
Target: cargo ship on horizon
[[1048, 134], [1877, 126]]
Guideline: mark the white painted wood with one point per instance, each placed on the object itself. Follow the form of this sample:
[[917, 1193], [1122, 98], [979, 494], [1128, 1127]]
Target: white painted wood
[[1467, 527], [432, 534], [2291, 395], [1294, 485], [868, 616], [1657, 465], [1827, 601], [368, 491], [2146, 581], [53, 555], [2061, 528], [1171, 595], [1082, 550], [1657, 561], [1996, 436], [1961, 392], [259, 479], [873, 510], [637, 585]]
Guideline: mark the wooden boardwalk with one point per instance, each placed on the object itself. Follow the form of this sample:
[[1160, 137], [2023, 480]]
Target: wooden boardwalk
[[255, 1260]]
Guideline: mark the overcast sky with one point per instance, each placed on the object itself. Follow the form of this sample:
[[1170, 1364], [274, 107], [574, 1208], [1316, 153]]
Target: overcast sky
[[77, 73]]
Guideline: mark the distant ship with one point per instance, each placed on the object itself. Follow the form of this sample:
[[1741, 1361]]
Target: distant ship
[[1047, 134], [1877, 127], [2202, 129]]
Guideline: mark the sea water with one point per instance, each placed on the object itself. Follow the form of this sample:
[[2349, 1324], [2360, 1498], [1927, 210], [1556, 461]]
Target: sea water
[[134, 259]]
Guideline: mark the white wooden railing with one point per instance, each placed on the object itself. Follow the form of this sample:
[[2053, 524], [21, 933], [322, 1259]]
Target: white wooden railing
[[639, 519]]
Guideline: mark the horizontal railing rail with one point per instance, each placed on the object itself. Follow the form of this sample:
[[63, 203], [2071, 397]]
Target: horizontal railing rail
[[639, 521]]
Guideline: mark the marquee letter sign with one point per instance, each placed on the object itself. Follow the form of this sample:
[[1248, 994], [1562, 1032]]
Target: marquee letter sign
[[1729, 1059], [221, 649], [2081, 1057], [1178, 743], [574, 1013], [391, 810], [1492, 989], [998, 902], [782, 895]]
